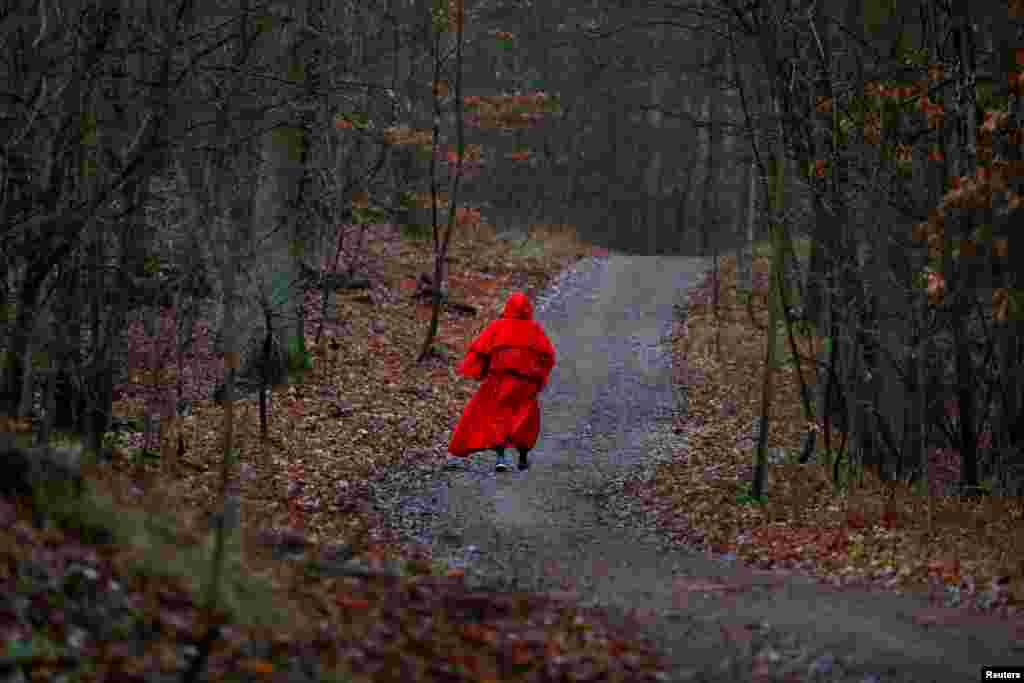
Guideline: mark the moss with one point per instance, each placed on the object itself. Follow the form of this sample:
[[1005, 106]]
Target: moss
[[162, 552]]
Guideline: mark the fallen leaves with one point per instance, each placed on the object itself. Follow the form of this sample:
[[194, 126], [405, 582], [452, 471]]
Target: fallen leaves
[[349, 602], [875, 534], [364, 407], [257, 666]]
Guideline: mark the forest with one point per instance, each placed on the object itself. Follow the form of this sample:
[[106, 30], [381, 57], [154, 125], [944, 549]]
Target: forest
[[244, 251]]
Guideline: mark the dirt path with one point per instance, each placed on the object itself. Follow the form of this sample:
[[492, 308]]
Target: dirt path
[[547, 529]]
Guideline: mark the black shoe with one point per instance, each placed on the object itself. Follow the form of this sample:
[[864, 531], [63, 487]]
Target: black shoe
[[524, 461], [501, 465]]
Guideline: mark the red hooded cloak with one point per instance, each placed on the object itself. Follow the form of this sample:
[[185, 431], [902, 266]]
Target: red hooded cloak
[[514, 358]]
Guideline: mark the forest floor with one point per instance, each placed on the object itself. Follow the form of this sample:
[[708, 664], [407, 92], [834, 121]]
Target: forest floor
[[317, 582]]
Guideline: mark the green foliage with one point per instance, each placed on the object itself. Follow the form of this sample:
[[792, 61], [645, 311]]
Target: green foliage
[[81, 515], [56, 496], [892, 110], [789, 360], [910, 55], [877, 14], [263, 23], [247, 597], [847, 124], [120, 438], [439, 15], [358, 119], [986, 487], [1015, 308], [280, 280], [920, 487], [771, 165], [37, 647], [89, 129], [113, 440], [846, 470], [88, 167], [552, 104], [144, 454], [747, 499], [825, 456], [151, 264], [369, 214], [807, 169], [530, 248], [983, 233], [296, 72], [857, 107], [293, 137], [299, 358], [41, 359], [336, 676], [986, 99], [417, 231], [919, 280], [804, 328]]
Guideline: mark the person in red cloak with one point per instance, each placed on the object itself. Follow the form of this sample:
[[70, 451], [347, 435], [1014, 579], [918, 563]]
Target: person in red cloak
[[514, 358]]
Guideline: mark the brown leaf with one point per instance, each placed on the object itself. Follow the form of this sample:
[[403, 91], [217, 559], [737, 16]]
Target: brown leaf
[[257, 666]]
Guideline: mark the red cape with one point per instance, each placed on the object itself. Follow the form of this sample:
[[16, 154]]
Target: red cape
[[514, 358]]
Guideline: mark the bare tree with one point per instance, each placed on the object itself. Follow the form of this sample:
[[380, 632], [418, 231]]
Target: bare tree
[[443, 237]]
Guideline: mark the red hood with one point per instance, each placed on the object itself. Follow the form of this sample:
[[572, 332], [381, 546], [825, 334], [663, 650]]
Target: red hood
[[515, 329], [519, 307]]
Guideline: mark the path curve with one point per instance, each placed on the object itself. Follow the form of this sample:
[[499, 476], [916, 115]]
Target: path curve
[[606, 413]]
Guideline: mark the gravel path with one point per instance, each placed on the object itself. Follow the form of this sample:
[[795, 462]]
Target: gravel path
[[569, 523]]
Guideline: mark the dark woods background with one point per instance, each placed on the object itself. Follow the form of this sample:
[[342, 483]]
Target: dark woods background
[[186, 154]]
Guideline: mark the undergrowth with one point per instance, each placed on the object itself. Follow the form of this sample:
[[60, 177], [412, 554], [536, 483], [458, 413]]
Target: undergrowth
[[849, 528]]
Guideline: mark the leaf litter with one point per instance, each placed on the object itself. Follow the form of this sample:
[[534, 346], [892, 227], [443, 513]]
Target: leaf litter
[[315, 583], [872, 534], [342, 593]]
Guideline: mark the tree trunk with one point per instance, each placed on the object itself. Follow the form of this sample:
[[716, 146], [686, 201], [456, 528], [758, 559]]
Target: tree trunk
[[654, 169], [275, 227], [745, 254], [49, 407], [438, 276], [28, 371], [775, 285], [20, 343], [441, 245], [227, 520], [708, 217], [1010, 271], [757, 489], [746, 212]]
